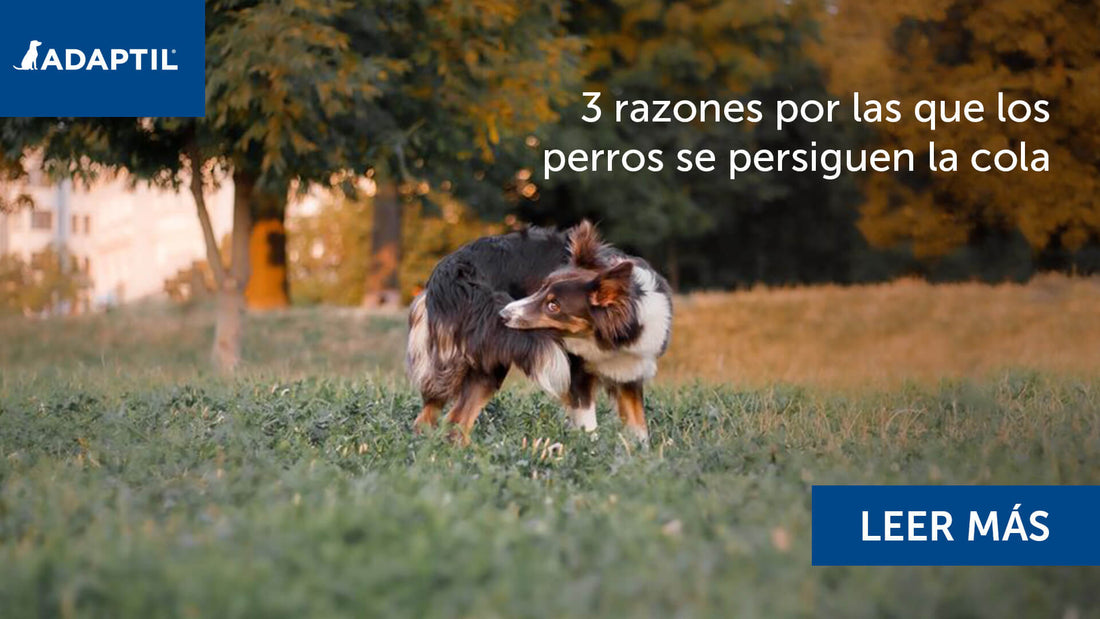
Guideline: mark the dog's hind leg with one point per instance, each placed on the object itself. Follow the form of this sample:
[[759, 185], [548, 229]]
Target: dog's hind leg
[[429, 415], [476, 393], [422, 371]]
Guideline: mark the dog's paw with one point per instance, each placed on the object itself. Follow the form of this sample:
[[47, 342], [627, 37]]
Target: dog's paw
[[458, 437], [639, 433]]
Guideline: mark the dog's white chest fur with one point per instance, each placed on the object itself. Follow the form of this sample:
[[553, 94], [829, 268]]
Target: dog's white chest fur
[[619, 366], [638, 361]]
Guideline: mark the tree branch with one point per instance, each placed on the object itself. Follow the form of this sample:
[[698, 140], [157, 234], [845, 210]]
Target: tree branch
[[213, 256]]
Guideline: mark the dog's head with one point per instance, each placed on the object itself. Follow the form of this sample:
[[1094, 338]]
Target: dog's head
[[35, 44], [593, 295]]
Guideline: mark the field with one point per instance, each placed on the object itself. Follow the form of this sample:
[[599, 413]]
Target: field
[[829, 336], [135, 484]]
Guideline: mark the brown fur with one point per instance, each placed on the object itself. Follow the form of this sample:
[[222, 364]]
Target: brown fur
[[586, 247], [589, 302], [613, 285], [595, 302], [428, 417], [613, 310], [462, 416], [628, 402]]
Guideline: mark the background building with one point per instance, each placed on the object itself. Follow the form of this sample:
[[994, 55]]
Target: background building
[[128, 240]]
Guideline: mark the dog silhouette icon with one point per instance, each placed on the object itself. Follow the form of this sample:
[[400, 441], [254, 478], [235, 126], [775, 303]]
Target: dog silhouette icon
[[30, 60]]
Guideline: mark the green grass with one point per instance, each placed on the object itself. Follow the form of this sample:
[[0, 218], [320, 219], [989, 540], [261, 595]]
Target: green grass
[[133, 483], [136, 493]]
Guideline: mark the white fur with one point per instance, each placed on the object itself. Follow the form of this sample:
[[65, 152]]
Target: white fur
[[418, 355], [551, 371], [517, 307], [584, 417], [654, 314], [638, 361]]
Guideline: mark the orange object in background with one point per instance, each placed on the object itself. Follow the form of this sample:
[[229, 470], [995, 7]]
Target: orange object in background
[[267, 283]]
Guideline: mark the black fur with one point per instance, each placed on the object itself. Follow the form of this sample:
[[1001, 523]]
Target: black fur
[[582, 384], [465, 294]]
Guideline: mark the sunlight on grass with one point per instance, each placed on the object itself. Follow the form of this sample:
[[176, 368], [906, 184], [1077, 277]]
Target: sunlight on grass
[[832, 336]]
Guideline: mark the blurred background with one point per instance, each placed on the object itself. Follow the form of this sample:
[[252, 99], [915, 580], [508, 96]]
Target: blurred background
[[347, 146], [202, 326]]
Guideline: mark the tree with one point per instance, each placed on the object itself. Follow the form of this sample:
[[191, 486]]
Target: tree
[[701, 228], [330, 251], [467, 78], [50, 280], [972, 49], [305, 91], [13, 187], [283, 90]]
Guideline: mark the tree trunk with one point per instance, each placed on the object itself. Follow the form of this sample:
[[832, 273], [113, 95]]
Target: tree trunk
[[244, 184], [382, 286], [228, 327], [226, 351], [229, 319], [267, 283]]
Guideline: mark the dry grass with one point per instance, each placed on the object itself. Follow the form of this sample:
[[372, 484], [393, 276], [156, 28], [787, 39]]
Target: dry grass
[[831, 336], [884, 334]]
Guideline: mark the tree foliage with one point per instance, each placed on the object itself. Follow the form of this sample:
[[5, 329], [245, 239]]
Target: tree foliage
[[450, 100], [46, 281], [463, 77], [702, 228], [330, 255], [972, 49], [469, 79]]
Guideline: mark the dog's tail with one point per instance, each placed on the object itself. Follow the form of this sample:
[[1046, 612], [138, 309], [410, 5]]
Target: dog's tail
[[586, 248], [539, 354], [18, 68]]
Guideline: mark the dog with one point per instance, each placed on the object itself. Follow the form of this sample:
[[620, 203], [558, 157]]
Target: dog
[[586, 314], [30, 60], [613, 313]]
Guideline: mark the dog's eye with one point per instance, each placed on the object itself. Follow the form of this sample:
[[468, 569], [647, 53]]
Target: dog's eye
[[552, 306]]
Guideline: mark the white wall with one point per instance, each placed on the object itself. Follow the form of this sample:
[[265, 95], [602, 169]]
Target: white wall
[[137, 238]]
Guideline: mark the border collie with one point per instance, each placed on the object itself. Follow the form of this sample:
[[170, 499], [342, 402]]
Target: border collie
[[586, 314]]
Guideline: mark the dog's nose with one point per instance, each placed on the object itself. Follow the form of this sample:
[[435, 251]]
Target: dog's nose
[[505, 314]]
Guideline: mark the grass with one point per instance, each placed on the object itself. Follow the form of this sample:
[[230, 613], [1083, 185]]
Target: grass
[[174, 342], [828, 336], [888, 334], [133, 484]]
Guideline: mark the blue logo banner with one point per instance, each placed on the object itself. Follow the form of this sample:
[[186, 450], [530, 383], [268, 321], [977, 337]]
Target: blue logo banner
[[114, 58], [956, 525]]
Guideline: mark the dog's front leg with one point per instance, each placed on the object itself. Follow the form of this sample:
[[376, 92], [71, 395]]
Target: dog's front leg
[[580, 402], [628, 402]]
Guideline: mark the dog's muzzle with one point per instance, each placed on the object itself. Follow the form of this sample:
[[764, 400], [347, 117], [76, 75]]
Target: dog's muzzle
[[511, 313]]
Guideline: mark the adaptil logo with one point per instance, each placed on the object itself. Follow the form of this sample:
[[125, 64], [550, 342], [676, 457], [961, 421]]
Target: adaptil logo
[[97, 59], [30, 61], [123, 58]]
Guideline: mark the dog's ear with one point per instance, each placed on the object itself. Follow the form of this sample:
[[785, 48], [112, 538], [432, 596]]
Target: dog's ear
[[585, 245], [612, 285]]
